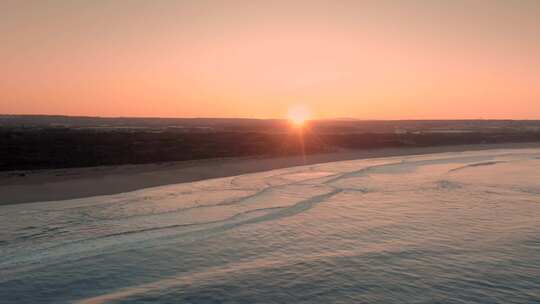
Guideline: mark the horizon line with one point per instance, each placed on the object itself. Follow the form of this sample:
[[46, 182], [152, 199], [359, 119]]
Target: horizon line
[[258, 118]]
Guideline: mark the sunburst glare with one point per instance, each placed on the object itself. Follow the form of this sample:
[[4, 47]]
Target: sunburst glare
[[298, 115]]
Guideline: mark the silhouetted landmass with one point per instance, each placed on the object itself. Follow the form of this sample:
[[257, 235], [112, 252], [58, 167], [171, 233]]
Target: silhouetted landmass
[[260, 125], [42, 142]]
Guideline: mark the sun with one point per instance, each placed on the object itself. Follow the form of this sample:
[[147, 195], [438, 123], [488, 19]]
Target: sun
[[298, 115]]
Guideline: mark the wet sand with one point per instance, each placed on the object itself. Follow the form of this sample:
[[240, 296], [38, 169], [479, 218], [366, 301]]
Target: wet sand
[[18, 187]]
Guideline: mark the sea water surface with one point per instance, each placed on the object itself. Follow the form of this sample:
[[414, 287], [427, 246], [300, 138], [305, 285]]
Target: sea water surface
[[441, 228]]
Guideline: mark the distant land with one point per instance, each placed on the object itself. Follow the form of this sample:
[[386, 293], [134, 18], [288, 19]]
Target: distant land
[[32, 142]]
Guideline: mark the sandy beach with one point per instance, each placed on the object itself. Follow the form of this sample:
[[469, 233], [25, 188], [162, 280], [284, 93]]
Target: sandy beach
[[18, 187], [432, 228]]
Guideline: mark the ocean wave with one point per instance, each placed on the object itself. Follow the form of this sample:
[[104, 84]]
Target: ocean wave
[[422, 229]]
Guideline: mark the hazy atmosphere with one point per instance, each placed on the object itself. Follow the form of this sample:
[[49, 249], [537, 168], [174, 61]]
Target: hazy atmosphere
[[270, 152], [359, 59]]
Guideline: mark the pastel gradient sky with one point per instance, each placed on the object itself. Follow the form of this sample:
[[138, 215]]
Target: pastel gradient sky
[[360, 59]]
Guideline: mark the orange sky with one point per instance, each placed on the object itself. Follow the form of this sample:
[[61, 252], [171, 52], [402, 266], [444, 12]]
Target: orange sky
[[411, 59]]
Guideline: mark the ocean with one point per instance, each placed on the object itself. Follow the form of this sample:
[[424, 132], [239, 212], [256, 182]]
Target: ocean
[[439, 228]]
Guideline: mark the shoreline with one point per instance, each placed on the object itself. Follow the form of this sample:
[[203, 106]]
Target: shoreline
[[28, 186]]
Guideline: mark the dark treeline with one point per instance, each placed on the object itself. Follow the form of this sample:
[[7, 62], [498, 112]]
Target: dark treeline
[[62, 148], [259, 125]]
